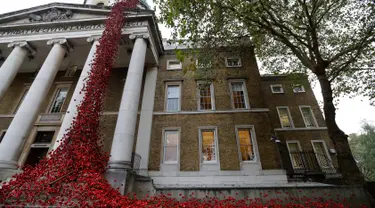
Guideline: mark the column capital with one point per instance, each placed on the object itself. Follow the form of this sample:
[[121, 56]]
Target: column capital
[[63, 42], [94, 38], [134, 36], [23, 44]]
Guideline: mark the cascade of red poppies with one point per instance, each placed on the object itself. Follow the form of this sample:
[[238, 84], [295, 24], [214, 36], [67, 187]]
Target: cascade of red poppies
[[72, 175]]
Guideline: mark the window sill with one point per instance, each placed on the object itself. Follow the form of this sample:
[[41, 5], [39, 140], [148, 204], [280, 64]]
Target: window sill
[[301, 129]]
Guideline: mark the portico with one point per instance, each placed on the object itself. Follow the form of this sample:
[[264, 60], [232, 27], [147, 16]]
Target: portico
[[49, 49]]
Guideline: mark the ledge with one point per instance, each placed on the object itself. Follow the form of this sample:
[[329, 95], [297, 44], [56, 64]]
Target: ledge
[[254, 110], [301, 129]]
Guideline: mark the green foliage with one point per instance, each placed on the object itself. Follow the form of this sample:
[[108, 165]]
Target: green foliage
[[363, 149], [334, 38]]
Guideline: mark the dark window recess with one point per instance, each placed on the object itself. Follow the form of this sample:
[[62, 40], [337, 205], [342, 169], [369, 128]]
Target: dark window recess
[[44, 137], [35, 155], [2, 136]]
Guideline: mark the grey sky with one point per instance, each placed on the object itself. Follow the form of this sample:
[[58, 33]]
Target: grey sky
[[350, 111]]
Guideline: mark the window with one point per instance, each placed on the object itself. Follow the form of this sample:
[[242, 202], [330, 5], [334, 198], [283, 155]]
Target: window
[[284, 116], [308, 116], [208, 145], [174, 65], [203, 63], [173, 94], [294, 149], [59, 99], [71, 71], [321, 153], [171, 138], [245, 142], [2, 135], [278, 88], [239, 94], [40, 147], [205, 93], [24, 93], [297, 88], [233, 62]]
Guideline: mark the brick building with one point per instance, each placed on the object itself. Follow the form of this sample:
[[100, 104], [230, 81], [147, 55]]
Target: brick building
[[238, 128]]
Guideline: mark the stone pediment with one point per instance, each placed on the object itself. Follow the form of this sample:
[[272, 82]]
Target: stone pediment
[[52, 13]]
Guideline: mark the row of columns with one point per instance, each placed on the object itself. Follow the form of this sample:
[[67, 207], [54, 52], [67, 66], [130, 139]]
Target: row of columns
[[123, 141]]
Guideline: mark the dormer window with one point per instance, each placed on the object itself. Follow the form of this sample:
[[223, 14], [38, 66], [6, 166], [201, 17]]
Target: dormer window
[[277, 89], [174, 65], [298, 88], [232, 62]]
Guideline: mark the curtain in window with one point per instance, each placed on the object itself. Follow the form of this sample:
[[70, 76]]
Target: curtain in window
[[284, 117], [246, 145], [170, 146], [173, 98], [208, 145], [309, 118]]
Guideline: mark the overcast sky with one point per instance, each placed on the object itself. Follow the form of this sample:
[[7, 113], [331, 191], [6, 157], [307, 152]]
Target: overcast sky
[[350, 111]]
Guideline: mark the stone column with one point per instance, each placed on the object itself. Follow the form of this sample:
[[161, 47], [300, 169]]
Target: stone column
[[12, 144], [77, 96], [123, 140], [12, 64], [145, 121]]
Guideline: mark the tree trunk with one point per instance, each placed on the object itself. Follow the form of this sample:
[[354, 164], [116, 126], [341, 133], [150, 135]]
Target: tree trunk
[[347, 165]]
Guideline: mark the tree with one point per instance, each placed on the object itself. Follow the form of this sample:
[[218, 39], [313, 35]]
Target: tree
[[329, 40], [363, 148]]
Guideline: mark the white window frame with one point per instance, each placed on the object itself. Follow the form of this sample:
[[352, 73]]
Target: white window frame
[[173, 69], [1, 133], [26, 87], [289, 115], [303, 88], [303, 117], [233, 57], [208, 66], [166, 96], [178, 129], [71, 71], [244, 87], [277, 85], [58, 86], [253, 141], [199, 96], [299, 149], [217, 161], [325, 149]]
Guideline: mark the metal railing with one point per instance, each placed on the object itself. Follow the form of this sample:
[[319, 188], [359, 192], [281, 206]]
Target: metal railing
[[136, 162]]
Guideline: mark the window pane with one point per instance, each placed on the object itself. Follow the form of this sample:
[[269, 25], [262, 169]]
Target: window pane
[[170, 146], [308, 116], [174, 65], [321, 154], [208, 145], [173, 96], [284, 117], [44, 137], [277, 89], [205, 97], [233, 62], [295, 155], [246, 145], [22, 98], [2, 136], [298, 88], [35, 155], [59, 100], [238, 95]]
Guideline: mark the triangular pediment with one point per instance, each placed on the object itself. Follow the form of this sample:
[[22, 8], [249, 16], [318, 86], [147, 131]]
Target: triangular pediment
[[54, 13]]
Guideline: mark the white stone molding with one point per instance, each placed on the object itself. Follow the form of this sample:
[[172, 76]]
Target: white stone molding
[[62, 41], [94, 38], [134, 36], [23, 44]]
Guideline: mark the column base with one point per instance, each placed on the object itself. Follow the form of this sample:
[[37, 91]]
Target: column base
[[12, 165], [121, 179]]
